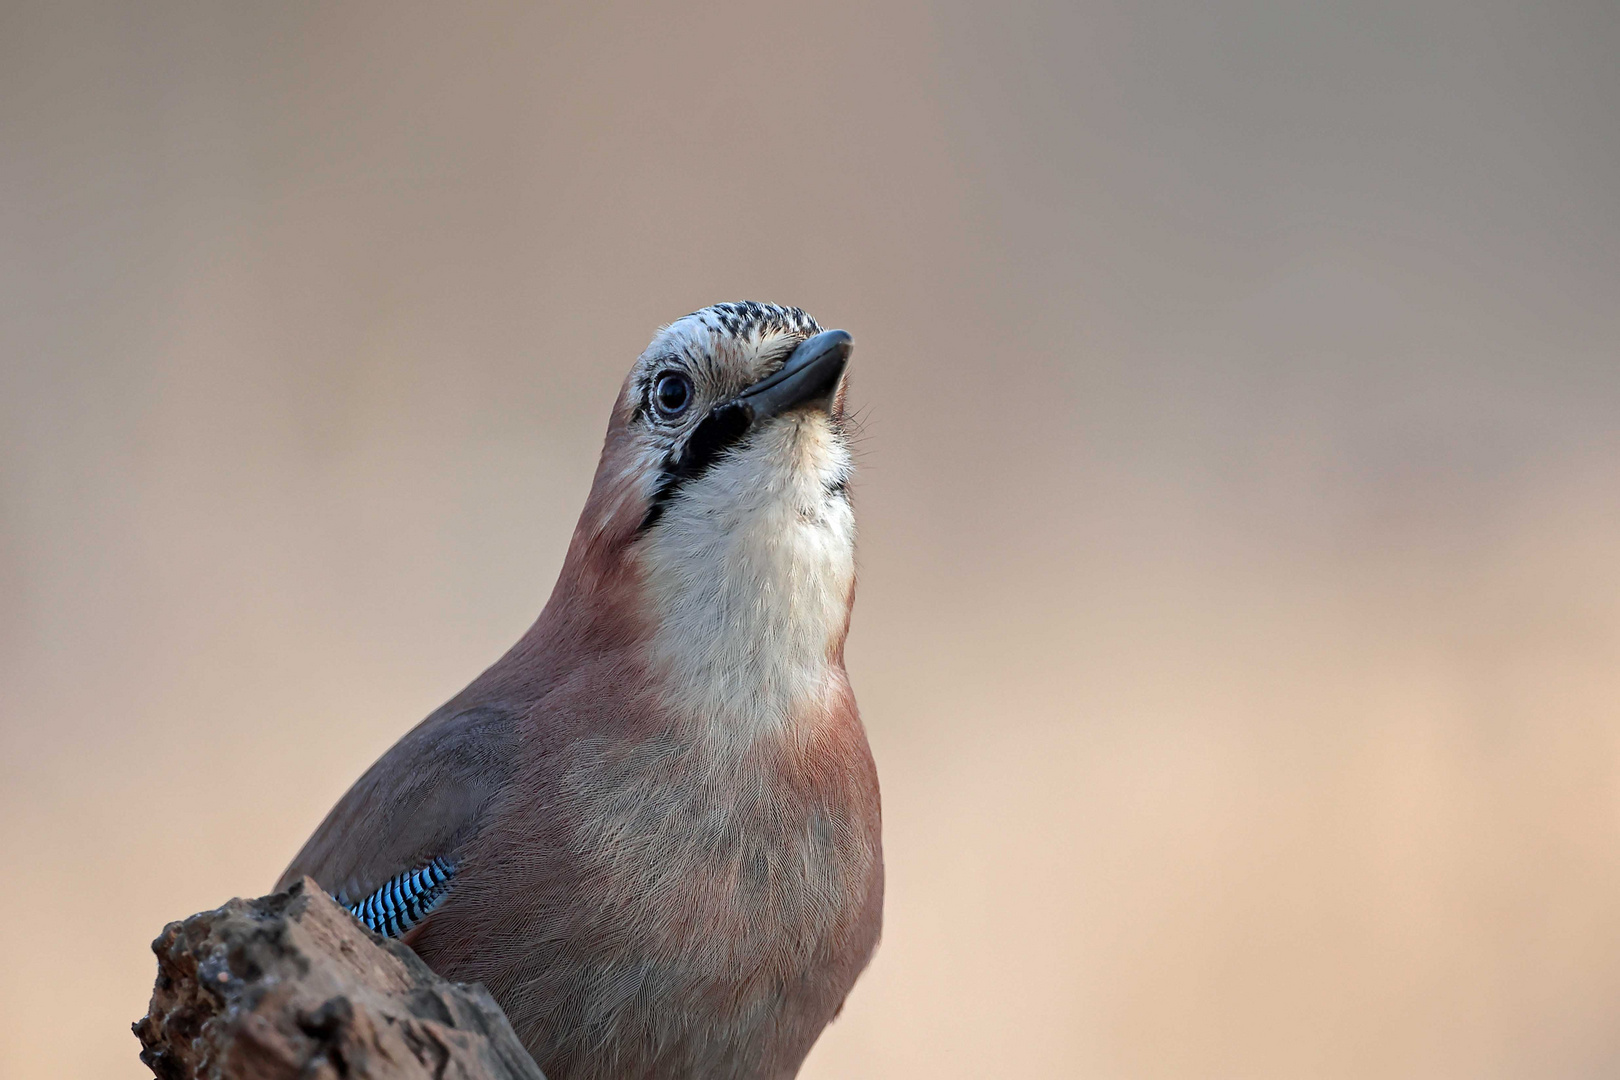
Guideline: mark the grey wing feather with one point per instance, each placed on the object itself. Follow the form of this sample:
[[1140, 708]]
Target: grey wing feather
[[419, 802]]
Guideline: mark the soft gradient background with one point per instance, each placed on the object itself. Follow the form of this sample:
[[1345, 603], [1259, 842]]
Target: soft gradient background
[[1239, 629]]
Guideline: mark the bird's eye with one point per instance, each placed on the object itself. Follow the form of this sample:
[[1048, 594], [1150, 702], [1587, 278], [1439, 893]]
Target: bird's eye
[[672, 393]]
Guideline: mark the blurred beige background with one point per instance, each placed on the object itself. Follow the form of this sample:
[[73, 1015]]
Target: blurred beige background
[[1239, 630]]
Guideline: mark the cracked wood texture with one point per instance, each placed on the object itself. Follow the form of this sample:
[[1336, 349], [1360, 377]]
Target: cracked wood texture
[[292, 986]]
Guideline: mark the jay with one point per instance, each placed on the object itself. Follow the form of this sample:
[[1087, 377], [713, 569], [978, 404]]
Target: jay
[[652, 828]]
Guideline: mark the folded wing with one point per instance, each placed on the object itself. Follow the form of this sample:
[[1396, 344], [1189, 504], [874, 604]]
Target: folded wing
[[388, 849]]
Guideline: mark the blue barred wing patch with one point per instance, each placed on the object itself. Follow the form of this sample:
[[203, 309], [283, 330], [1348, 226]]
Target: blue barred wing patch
[[405, 899]]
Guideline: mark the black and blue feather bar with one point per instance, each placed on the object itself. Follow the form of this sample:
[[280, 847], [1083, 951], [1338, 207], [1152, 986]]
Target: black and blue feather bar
[[405, 899]]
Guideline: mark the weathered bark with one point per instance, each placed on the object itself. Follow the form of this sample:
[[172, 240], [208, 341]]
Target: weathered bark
[[292, 986]]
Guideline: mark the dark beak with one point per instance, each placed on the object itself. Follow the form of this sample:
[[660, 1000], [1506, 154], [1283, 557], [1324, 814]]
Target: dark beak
[[809, 379]]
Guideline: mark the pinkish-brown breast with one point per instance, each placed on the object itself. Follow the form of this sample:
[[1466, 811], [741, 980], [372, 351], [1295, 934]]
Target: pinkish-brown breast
[[645, 906]]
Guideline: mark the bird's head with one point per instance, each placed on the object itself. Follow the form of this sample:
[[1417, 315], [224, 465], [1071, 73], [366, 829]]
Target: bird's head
[[722, 497]]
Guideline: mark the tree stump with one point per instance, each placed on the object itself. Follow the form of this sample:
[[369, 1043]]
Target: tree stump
[[293, 987]]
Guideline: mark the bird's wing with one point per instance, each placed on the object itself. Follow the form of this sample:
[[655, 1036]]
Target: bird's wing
[[419, 803]]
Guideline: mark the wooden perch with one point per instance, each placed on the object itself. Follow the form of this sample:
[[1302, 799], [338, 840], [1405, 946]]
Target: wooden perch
[[292, 987]]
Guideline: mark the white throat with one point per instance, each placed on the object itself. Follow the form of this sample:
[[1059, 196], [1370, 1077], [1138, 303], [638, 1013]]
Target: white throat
[[750, 570]]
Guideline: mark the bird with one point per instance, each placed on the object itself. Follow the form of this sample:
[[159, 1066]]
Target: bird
[[653, 828]]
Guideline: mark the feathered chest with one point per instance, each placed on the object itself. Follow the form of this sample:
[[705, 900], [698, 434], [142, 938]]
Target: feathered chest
[[737, 824], [723, 864]]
